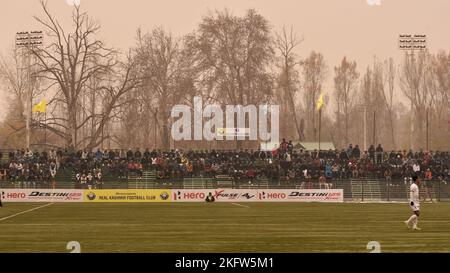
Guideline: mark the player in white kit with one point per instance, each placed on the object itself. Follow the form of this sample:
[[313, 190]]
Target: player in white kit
[[414, 203]]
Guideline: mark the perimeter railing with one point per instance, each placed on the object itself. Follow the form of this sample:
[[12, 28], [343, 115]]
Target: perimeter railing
[[362, 190]]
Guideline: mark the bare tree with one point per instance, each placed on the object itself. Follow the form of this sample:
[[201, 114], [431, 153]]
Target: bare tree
[[414, 74], [345, 80], [16, 80], [388, 95], [371, 98], [68, 63], [314, 73], [159, 65], [286, 42], [234, 54], [439, 83]]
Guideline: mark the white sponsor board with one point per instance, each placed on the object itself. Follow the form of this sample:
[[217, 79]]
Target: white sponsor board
[[262, 195], [220, 195], [190, 195], [311, 195], [41, 195]]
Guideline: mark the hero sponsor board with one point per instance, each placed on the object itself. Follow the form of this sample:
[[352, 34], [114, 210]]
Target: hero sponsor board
[[220, 195], [311, 195], [127, 195], [166, 195], [41, 195], [262, 195]]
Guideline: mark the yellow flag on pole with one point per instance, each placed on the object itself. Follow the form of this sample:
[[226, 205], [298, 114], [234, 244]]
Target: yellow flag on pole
[[40, 107], [319, 104]]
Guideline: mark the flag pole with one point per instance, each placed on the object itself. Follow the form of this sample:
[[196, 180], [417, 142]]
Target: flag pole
[[319, 106], [45, 130], [320, 123]]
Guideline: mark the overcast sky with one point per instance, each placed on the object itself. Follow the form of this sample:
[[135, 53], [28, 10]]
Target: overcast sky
[[333, 27]]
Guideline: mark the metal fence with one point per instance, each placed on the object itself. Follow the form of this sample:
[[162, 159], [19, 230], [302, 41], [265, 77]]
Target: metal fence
[[364, 190]]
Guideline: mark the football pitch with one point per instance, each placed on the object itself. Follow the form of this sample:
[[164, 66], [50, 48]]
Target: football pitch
[[221, 227]]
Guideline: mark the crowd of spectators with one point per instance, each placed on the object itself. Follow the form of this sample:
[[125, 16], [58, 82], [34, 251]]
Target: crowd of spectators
[[285, 163], [32, 168]]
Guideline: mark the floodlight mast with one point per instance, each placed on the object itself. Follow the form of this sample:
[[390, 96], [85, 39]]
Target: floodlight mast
[[27, 40]]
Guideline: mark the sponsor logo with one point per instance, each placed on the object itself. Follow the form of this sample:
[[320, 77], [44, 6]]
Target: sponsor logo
[[33, 195], [164, 196], [125, 195], [220, 195], [91, 196], [42, 195], [190, 195], [14, 195], [233, 195], [272, 195], [303, 195], [314, 195]]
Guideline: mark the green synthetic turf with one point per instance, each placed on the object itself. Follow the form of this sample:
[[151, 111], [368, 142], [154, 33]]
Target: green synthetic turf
[[223, 227]]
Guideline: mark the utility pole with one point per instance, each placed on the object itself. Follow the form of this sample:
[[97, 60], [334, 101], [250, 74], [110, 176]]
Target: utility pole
[[364, 108], [365, 128], [374, 127], [428, 148], [26, 41]]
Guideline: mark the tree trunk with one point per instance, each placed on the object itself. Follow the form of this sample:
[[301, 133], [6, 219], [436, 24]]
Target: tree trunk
[[391, 121], [72, 139]]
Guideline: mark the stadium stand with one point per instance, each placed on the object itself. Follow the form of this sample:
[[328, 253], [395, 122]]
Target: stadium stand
[[373, 175]]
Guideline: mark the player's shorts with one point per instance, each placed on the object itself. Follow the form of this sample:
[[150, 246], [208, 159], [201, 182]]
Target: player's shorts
[[414, 206]]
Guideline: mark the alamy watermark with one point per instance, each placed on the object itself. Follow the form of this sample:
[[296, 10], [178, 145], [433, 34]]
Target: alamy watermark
[[239, 122]]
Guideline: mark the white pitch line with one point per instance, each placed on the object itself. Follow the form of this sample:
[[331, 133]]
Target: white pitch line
[[22, 212], [236, 204]]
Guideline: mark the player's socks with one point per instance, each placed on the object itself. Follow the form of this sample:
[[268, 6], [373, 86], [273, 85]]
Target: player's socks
[[415, 222], [411, 220]]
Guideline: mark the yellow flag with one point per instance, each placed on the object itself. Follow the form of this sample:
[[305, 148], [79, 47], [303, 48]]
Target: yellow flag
[[319, 102], [40, 107]]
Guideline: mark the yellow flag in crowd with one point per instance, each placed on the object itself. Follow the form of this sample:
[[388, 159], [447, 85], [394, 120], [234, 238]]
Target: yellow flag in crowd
[[320, 102], [40, 107]]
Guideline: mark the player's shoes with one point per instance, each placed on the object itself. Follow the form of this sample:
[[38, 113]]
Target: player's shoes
[[407, 224], [416, 228]]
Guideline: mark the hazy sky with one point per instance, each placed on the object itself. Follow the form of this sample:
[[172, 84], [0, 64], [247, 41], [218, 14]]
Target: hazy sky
[[333, 27]]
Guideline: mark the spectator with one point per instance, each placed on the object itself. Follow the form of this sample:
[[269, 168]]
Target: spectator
[[350, 151], [137, 154], [129, 154], [372, 153], [428, 185], [356, 152], [379, 154], [416, 168], [90, 181], [322, 181], [243, 164]]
